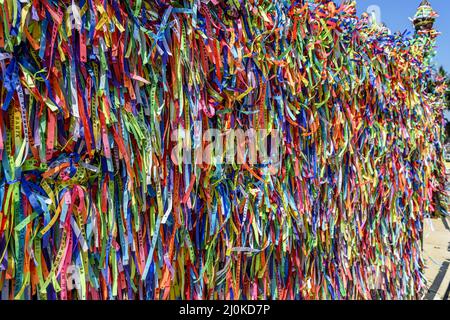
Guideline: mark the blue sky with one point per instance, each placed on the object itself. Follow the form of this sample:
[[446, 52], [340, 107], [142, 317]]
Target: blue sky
[[395, 14]]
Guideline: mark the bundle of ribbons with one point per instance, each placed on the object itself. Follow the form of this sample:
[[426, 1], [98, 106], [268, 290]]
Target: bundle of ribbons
[[93, 205]]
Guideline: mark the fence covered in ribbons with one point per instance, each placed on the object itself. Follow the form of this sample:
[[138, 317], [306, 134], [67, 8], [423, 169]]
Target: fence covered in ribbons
[[92, 92]]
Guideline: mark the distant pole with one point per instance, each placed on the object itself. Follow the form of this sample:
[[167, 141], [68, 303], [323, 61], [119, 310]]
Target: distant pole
[[425, 37], [423, 46]]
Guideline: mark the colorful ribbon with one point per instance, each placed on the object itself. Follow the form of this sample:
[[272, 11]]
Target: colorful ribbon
[[93, 205]]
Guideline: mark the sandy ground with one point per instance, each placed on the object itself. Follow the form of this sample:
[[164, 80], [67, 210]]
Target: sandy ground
[[436, 251]]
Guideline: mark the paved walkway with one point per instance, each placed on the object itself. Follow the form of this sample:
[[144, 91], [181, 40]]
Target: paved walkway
[[436, 251]]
